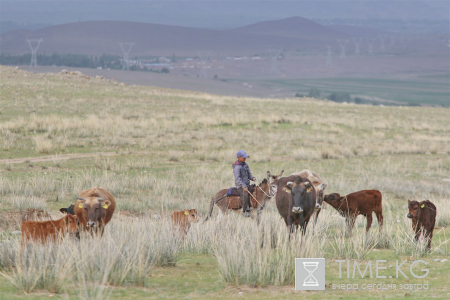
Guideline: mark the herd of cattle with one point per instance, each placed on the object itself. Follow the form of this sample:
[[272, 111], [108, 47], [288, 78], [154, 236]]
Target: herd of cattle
[[298, 197]]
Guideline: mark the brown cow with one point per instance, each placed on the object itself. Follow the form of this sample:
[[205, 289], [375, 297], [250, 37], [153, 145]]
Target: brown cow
[[94, 209], [43, 231], [359, 203], [182, 219], [423, 217]]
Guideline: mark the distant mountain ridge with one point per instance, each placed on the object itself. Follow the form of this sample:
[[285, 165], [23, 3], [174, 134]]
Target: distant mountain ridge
[[297, 27], [99, 37]]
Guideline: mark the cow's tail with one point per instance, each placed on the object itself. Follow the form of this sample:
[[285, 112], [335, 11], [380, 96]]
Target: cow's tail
[[211, 207]]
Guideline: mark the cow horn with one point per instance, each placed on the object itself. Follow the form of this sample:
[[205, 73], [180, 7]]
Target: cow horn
[[79, 198], [289, 184]]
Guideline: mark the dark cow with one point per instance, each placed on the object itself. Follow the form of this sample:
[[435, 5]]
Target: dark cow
[[423, 217], [94, 209], [69, 210], [359, 203], [296, 200]]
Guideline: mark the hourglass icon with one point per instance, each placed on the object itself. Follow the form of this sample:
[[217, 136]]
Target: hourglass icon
[[310, 280]]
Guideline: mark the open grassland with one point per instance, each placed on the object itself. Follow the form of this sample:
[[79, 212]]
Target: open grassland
[[159, 150], [427, 90]]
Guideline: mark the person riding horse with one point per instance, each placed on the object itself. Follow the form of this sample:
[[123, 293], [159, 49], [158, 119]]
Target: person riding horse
[[242, 177]]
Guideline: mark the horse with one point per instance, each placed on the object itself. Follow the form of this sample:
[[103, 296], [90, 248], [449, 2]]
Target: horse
[[258, 199]]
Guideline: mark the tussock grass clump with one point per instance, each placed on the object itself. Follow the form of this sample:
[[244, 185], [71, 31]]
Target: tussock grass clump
[[92, 263], [261, 256], [22, 203], [43, 144]]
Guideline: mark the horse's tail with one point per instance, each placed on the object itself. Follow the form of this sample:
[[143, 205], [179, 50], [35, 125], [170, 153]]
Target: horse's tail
[[211, 207]]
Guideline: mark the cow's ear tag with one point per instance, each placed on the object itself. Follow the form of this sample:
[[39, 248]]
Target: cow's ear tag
[[287, 190], [422, 206], [105, 206], [309, 190], [186, 213], [80, 206]]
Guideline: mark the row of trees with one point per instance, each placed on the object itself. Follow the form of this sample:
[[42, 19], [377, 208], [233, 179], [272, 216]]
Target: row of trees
[[336, 96], [68, 60]]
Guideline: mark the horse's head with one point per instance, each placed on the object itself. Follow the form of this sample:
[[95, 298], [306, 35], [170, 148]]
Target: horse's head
[[273, 182]]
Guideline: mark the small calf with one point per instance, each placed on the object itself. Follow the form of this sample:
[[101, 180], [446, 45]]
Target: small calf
[[359, 203], [181, 220], [423, 217], [43, 231]]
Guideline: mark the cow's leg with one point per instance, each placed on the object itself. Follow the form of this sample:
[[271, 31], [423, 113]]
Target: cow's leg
[[290, 226], [305, 224], [350, 221], [369, 221], [379, 215], [417, 235], [430, 236], [316, 216]]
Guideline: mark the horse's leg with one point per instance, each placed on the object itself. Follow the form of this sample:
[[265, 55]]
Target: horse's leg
[[258, 214], [220, 215]]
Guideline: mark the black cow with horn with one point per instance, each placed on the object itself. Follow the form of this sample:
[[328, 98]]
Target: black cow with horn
[[296, 200]]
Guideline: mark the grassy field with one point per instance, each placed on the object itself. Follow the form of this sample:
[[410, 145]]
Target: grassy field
[[412, 90], [158, 150]]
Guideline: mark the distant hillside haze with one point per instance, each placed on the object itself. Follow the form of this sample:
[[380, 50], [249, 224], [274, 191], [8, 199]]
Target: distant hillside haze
[[296, 27], [393, 15], [99, 37]]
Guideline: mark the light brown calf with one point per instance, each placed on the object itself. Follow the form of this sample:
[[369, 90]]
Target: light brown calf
[[182, 219], [43, 231]]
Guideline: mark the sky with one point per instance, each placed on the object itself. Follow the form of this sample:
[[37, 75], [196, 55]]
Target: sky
[[226, 14]]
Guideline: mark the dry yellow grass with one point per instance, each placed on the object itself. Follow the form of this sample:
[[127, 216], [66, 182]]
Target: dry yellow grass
[[173, 150]]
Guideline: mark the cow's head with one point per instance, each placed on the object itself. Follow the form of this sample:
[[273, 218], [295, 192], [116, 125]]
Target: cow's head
[[334, 200], [69, 210], [320, 195], [192, 215], [273, 182], [95, 209], [414, 208], [71, 223], [298, 192]]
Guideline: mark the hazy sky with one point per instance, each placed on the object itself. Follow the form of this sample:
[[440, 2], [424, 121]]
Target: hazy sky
[[219, 13]]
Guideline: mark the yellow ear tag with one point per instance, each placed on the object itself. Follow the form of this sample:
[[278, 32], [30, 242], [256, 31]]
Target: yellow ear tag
[[309, 190], [80, 206], [423, 205], [105, 206], [287, 190], [186, 213]]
